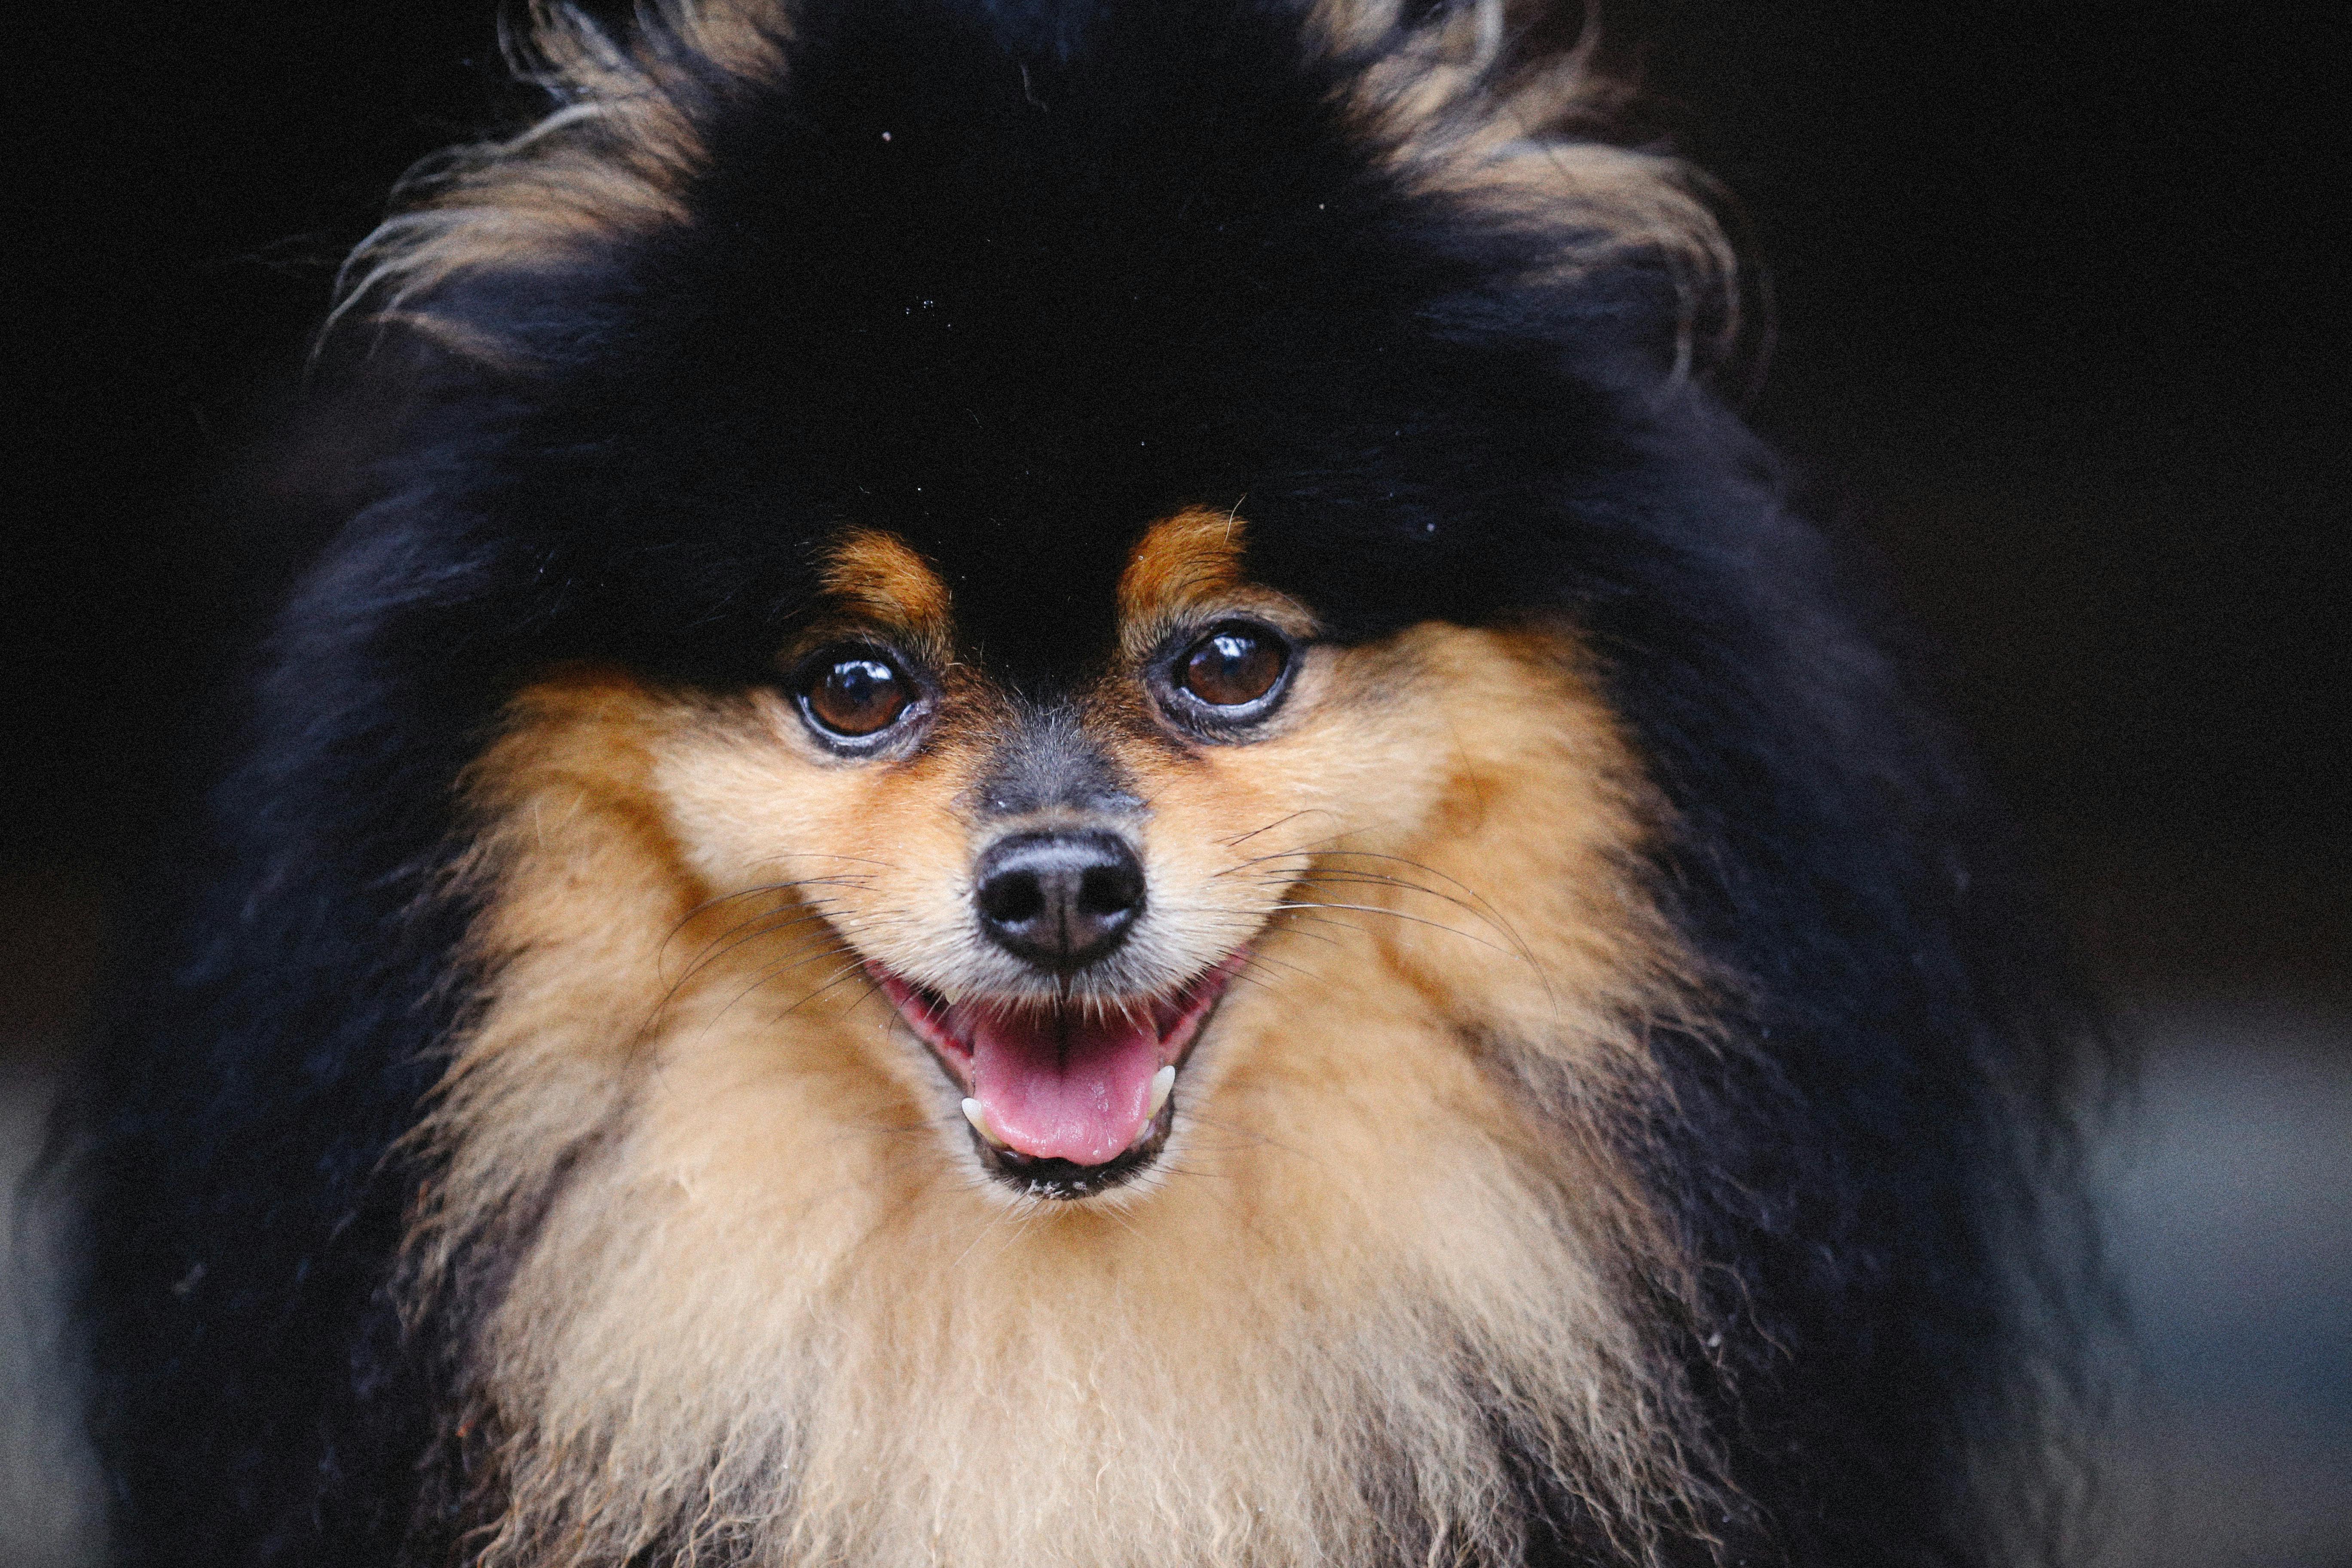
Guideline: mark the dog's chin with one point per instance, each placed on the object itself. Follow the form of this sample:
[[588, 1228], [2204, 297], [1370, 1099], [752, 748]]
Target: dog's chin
[[1064, 1099]]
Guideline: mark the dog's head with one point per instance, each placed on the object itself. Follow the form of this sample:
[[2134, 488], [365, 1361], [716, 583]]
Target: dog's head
[[1042, 599]]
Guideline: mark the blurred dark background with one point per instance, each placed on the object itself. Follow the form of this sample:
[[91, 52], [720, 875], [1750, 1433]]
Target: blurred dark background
[[2059, 304]]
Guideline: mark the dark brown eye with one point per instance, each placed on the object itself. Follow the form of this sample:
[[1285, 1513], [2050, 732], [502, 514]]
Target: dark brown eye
[[1232, 666], [857, 695]]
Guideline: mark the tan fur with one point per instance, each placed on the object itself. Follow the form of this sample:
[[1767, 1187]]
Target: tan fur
[[874, 578], [772, 1302], [1456, 110], [1188, 559], [1188, 569]]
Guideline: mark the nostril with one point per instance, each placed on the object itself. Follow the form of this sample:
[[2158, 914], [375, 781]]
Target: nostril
[[1115, 890], [1011, 898]]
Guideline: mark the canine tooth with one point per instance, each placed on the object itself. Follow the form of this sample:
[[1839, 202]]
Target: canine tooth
[[977, 1114], [1162, 1082]]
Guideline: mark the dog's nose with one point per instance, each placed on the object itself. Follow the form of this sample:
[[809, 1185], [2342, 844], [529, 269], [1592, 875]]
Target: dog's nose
[[1062, 900]]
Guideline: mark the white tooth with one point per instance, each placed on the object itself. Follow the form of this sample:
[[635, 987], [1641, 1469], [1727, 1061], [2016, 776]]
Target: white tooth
[[977, 1114], [1162, 1082]]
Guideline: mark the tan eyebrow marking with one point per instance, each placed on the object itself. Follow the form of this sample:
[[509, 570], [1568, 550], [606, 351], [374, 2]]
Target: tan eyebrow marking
[[878, 577], [1181, 561], [1191, 564]]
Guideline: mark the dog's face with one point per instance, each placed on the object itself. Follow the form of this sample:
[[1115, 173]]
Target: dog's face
[[1053, 886]]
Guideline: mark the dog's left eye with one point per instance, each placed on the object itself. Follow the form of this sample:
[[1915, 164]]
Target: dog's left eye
[[1233, 666], [856, 694]]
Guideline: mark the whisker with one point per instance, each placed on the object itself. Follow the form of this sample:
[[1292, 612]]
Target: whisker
[[1295, 924], [1001, 1214], [771, 972], [1244, 920], [827, 855], [1259, 958], [846, 975], [1476, 903], [711, 904], [1115, 1210], [1310, 848], [1399, 914], [741, 933], [873, 989], [1270, 826], [670, 993], [1491, 914]]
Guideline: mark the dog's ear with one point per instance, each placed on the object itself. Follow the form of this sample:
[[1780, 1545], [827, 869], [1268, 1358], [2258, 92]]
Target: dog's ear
[[1499, 103], [610, 162]]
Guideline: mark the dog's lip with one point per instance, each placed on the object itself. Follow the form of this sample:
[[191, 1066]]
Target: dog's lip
[[1176, 1016]]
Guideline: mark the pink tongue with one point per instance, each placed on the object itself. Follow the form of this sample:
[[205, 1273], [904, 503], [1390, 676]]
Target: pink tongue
[[1064, 1086]]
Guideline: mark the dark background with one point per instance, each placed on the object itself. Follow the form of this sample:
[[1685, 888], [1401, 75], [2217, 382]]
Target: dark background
[[2059, 294]]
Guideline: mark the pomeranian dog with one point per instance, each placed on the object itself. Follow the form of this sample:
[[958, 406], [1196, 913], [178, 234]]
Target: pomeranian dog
[[1059, 798]]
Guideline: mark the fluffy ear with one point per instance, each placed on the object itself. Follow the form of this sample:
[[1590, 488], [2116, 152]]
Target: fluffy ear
[[1462, 95], [1474, 102], [606, 165]]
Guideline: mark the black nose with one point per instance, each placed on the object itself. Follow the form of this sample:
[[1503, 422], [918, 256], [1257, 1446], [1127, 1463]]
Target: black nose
[[1061, 900]]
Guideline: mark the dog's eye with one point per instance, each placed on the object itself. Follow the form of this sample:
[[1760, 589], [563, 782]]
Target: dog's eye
[[856, 694], [1232, 666]]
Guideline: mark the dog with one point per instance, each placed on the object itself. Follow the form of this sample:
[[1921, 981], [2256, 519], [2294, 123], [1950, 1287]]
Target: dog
[[1060, 797]]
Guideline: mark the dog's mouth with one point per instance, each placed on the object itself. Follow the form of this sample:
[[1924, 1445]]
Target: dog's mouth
[[1065, 1098]]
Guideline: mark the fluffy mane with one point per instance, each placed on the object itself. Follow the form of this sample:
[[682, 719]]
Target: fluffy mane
[[1789, 1265], [1451, 101]]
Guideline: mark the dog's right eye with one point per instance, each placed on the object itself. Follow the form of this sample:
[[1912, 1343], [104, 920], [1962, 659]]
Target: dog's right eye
[[854, 694]]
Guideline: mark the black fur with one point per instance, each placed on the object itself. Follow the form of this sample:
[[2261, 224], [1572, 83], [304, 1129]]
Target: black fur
[[1110, 260]]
